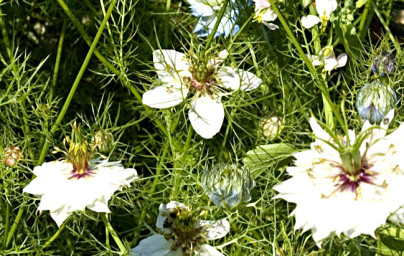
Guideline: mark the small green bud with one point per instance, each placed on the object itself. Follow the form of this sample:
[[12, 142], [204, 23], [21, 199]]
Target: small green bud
[[103, 140], [271, 126]]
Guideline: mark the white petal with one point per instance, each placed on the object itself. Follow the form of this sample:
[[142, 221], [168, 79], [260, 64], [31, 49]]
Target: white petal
[[310, 20], [326, 7], [342, 60], [215, 229], [269, 15], [59, 216], [271, 26], [165, 209], [155, 245], [200, 9], [318, 131], [330, 63], [238, 79], [207, 250], [206, 116], [170, 61], [165, 96]]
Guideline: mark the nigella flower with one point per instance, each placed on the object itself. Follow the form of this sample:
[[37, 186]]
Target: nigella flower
[[346, 186], [205, 79], [375, 100], [208, 13], [182, 234], [324, 10], [328, 59], [76, 183], [264, 14]]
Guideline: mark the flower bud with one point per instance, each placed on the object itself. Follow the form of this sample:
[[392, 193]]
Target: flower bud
[[271, 126], [12, 155], [227, 185], [384, 63], [374, 101], [103, 141]]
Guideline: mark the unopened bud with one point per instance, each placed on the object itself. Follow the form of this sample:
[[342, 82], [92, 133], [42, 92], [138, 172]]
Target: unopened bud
[[375, 100], [12, 155], [227, 185], [103, 141], [384, 63], [271, 126]]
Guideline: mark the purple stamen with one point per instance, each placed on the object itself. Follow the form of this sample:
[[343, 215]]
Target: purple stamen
[[77, 175]]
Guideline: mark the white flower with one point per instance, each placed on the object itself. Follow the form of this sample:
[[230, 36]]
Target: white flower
[[186, 235], [264, 14], [63, 190], [327, 57], [208, 12], [324, 9], [350, 193], [206, 80]]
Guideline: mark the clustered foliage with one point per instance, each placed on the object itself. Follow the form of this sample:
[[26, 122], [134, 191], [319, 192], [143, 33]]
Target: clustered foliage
[[46, 87]]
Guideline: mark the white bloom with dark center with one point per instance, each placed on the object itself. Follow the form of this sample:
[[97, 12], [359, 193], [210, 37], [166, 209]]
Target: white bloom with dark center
[[328, 59], [183, 234], [208, 13], [206, 81], [63, 189], [264, 14], [351, 197], [324, 10]]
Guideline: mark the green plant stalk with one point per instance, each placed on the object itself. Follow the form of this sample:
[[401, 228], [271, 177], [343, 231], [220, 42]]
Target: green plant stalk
[[57, 63], [111, 230], [7, 217], [152, 189], [166, 25], [56, 235], [386, 28], [107, 64], [77, 81], [364, 16], [15, 224], [212, 35], [178, 171], [6, 41], [322, 86]]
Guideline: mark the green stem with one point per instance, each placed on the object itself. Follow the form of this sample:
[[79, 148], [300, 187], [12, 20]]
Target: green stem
[[166, 26], [152, 189], [104, 217], [56, 235], [219, 18], [321, 85], [386, 28], [15, 224], [109, 65], [364, 17], [7, 217], [57, 63], [6, 41], [77, 81]]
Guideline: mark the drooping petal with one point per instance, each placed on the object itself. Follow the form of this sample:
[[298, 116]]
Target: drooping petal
[[155, 245], [326, 7], [310, 20], [165, 96], [330, 63], [200, 8], [215, 229], [342, 60], [207, 250], [206, 116], [318, 131], [238, 79]]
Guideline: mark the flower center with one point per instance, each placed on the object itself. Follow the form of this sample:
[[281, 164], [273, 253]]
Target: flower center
[[79, 156], [184, 231], [203, 78]]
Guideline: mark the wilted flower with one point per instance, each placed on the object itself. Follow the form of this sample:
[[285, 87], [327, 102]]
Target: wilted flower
[[228, 185], [384, 63], [271, 126], [206, 79], [346, 185], [12, 155], [375, 100], [324, 10], [264, 13], [182, 234], [328, 59], [208, 13], [103, 140], [77, 182]]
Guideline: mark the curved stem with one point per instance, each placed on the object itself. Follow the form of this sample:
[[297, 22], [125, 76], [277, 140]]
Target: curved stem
[[53, 238], [212, 34], [77, 81], [104, 217]]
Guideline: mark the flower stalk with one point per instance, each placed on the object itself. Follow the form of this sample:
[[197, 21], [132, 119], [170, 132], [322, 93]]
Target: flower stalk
[[111, 230]]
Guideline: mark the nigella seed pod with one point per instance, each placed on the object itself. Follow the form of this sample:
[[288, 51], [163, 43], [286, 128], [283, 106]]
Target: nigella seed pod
[[103, 140], [271, 126], [375, 100], [12, 155], [227, 185], [384, 63]]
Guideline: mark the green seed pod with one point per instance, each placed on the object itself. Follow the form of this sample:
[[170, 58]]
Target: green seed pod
[[271, 126], [227, 185]]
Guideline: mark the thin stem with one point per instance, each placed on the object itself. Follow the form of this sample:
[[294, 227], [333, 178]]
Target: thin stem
[[57, 63], [7, 217], [362, 31], [6, 41], [212, 34], [109, 65], [166, 26], [15, 224], [386, 28], [104, 217], [77, 80], [56, 235], [321, 85]]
